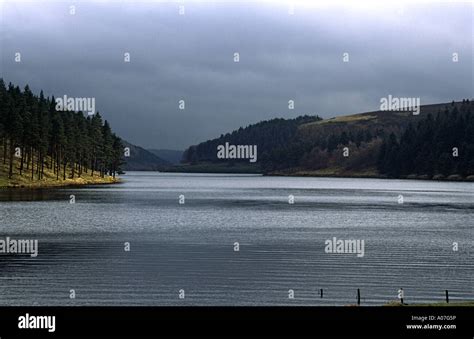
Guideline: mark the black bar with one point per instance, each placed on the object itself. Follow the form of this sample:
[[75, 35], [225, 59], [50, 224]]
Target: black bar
[[238, 321]]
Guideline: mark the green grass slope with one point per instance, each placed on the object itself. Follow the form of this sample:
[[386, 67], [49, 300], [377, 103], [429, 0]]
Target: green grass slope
[[49, 178]]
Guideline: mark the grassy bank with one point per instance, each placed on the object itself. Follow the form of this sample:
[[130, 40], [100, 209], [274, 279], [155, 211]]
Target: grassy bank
[[339, 172], [49, 178], [329, 172]]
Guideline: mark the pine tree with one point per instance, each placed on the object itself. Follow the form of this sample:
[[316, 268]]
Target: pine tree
[[46, 138]]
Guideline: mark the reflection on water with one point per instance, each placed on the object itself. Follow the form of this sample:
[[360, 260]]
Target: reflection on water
[[191, 246]]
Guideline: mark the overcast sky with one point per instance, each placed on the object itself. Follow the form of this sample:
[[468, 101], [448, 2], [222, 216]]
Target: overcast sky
[[405, 51]]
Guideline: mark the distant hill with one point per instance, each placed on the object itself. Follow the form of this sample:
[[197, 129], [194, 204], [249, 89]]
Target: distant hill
[[142, 160], [269, 136], [172, 156], [373, 144]]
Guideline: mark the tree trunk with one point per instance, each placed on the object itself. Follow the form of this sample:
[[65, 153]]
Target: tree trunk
[[10, 171], [4, 151], [58, 164], [42, 168], [32, 165], [22, 160]]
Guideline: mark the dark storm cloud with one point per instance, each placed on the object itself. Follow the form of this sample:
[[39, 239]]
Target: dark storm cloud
[[400, 51]]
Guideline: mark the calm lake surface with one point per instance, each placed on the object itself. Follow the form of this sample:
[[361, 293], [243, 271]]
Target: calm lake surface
[[282, 246]]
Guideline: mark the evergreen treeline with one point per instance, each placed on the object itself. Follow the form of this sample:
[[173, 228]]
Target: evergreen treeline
[[35, 136], [379, 143], [282, 144], [441, 145], [270, 136], [302, 151]]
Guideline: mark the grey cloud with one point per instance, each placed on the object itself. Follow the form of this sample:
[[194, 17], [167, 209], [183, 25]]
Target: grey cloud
[[282, 57]]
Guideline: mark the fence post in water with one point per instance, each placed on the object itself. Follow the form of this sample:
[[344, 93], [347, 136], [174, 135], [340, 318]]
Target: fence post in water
[[401, 295], [358, 296], [447, 297], [321, 292]]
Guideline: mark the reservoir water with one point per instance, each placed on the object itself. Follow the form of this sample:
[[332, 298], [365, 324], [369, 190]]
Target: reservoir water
[[190, 248]]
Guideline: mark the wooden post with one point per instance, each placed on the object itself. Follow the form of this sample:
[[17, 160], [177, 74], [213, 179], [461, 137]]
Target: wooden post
[[447, 297], [401, 295], [321, 292], [358, 296]]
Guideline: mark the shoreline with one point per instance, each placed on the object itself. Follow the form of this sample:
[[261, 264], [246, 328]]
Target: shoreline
[[361, 176], [311, 174], [78, 182]]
